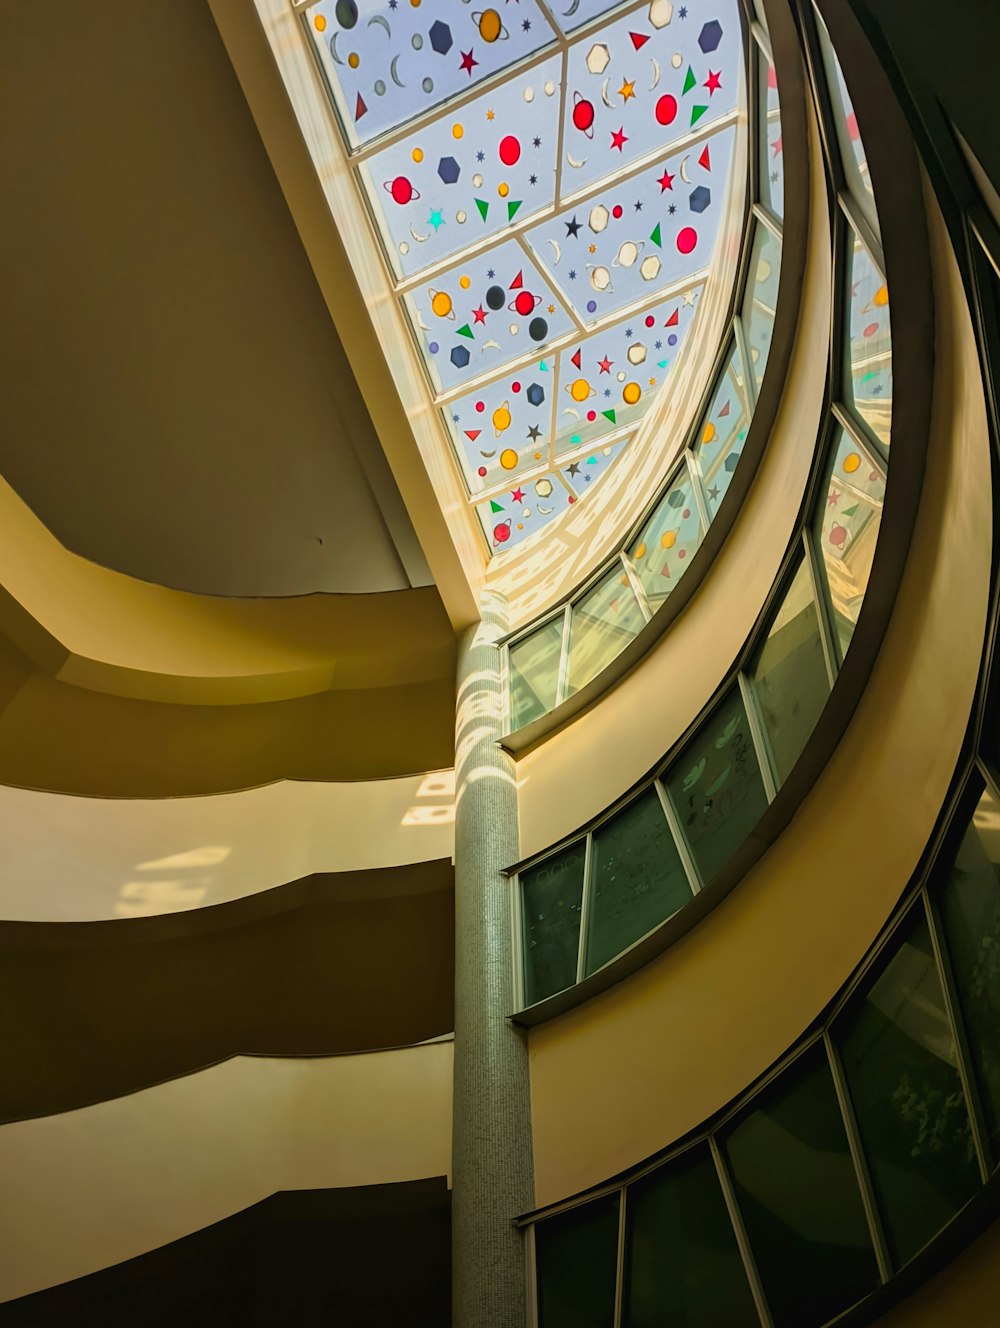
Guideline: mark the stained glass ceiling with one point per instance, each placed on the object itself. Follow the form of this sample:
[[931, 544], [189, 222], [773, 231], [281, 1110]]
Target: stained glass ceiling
[[546, 182]]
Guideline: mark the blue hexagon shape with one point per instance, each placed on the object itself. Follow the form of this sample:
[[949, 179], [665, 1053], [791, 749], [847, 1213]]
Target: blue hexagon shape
[[700, 198], [459, 357], [440, 35], [710, 35], [535, 394], [449, 170]]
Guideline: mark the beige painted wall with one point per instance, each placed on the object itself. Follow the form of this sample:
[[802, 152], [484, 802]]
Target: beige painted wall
[[633, 1069], [89, 1188], [73, 859]]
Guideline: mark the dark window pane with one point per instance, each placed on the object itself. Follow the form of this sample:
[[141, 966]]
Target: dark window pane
[[534, 673], [790, 678], [576, 1256], [551, 894], [716, 788], [901, 1066], [682, 1263], [970, 906], [798, 1192], [638, 879]]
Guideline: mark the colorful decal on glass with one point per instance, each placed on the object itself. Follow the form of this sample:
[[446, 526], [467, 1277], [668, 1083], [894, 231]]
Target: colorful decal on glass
[[668, 541], [772, 158], [718, 444], [868, 385], [761, 298]]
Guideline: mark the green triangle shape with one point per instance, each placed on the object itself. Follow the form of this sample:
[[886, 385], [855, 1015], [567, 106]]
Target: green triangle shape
[[609, 415], [465, 331], [697, 112], [512, 208], [850, 511], [661, 364], [656, 237], [591, 461], [495, 507], [543, 366], [483, 207], [689, 79]]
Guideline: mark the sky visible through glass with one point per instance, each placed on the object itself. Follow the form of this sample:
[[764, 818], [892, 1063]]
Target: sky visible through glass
[[547, 181]]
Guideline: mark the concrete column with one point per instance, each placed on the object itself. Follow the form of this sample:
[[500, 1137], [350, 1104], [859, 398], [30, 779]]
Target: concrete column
[[491, 1140]]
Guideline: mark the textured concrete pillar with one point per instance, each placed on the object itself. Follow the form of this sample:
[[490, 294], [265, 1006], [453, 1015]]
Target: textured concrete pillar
[[492, 1122]]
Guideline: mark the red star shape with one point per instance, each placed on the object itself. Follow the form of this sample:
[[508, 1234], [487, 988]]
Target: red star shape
[[479, 314], [518, 495], [605, 365], [713, 82], [666, 180], [468, 62], [776, 145], [618, 138]]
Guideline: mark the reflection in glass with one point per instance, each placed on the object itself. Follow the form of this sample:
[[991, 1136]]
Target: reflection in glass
[[760, 299], [901, 1066], [723, 431], [716, 787], [668, 541], [970, 907], [868, 369], [533, 665], [846, 525], [638, 879], [790, 679], [551, 895], [682, 1263], [798, 1193], [771, 160], [604, 621], [852, 149], [576, 1257]]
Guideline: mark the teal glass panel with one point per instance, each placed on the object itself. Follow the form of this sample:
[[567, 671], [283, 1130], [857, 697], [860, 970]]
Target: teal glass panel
[[901, 1066], [716, 788], [638, 879], [719, 442], [798, 1192], [970, 909], [852, 149], [604, 621], [771, 163], [551, 896], [761, 299], [790, 679], [682, 1263], [668, 541], [846, 525], [533, 669], [576, 1257], [868, 354]]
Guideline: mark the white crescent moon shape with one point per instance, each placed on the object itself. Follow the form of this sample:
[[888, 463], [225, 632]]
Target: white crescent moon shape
[[547, 511], [604, 93], [333, 49], [420, 239], [570, 411], [392, 72], [656, 72], [572, 161], [487, 455], [491, 345], [382, 22], [420, 322], [556, 250], [566, 14], [684, 170]]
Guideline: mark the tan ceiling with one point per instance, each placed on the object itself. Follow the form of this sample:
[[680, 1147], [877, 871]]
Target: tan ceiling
[[176, 404]]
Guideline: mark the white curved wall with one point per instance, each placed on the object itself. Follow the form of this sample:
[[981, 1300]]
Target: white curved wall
[[69, 859], [90, 1188]]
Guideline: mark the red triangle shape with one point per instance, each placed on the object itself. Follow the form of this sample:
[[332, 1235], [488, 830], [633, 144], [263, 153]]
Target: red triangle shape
[[724, 411], [575, 357], [705, 160], [473, 434], [673, 320], [360, 108], [639, 39], [518, 282]]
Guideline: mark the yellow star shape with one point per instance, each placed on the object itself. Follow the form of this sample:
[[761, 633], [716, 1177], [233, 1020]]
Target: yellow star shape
[[490, 115], [593, 248], [652, 382], [538, 456], [627, 89], [551, 308]]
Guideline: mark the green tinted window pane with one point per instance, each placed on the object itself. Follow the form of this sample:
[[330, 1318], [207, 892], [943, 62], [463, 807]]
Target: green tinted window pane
[[719, 443], [760, 299], [716, 787], [576, 1256], [638, 879], [797, 1190], [772, 160], [852, 149], [668, 541], [846, 525], [970, 907], [901, 1066], [682, 1263], [868, 354], [551, 895], [534, 673], [790, 679], [605, 620]]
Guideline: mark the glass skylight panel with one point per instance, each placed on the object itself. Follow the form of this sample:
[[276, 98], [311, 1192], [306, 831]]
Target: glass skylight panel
[[771, 157], [868, 377], [761, 299], [852, 149], [723, 432], [668, 540], [572, 14]]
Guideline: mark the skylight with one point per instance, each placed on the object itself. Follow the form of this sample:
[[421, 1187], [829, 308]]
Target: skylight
[[546, 183]]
